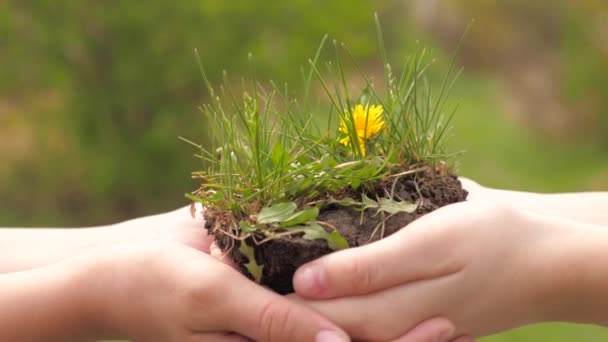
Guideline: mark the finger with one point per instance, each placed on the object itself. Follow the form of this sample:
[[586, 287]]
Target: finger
[[262, 315], [477, 192], [420, 251], [219, 337], [202, 241], [194, 232], [386, 315], [216, 252], [436, 329], [469, 184], [185, 228]]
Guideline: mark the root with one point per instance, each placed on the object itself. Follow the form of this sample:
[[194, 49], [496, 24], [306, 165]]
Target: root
[[410, 172]]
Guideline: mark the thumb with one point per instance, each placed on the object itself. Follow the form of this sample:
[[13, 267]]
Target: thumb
[[420, 251], [263, 315]]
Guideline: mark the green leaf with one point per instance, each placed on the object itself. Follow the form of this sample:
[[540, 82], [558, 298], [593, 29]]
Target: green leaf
[[315, 231], [388, 205], [393, 207], [301, 217], [366, 93], [368, 202], [217, 196], [311, 231], [336, 241], [246, 227], [252, 266], [355, 182], [345, 202], [194, 198], [279, 157], [276, 213], [304, 159]]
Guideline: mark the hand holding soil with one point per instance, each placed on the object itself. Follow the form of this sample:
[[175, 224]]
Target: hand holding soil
[[169, 292], [486, 267], [163, 291], [147, 279]]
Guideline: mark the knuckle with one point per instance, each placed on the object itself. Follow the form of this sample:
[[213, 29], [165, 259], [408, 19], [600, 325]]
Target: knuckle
[[497, 215], [200, 301], [274, 321], [202, 291], [498, 210], [359, 276]]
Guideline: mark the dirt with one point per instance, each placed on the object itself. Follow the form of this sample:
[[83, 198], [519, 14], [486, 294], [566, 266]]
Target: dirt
[[281, 257]]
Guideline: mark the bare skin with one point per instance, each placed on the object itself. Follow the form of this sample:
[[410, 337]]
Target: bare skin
[[139, 280], [501, 260], [177, 225], [568, 219]]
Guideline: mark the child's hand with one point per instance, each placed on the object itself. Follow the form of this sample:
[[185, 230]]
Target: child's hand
[[485, 268], [163, 291], [183, 225]]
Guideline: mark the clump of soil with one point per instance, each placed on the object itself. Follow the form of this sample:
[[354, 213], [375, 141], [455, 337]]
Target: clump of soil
[[282, 256]]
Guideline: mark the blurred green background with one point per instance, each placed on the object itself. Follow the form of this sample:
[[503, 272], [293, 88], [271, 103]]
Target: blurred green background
[[93, 95]]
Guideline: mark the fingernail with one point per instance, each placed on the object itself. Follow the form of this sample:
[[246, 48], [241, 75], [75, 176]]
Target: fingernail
[[309, 279], [330, 336]]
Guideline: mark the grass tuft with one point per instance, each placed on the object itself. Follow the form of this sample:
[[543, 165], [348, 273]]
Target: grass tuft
[[271, 158]]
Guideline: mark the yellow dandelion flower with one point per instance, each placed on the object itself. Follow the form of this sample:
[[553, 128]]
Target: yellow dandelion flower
[[367, 122]]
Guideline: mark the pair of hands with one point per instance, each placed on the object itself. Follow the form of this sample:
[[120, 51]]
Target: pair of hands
[[230, 303], [469, 269], [163, 288]]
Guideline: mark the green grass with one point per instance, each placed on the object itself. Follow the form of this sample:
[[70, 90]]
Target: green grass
[[272, 166]]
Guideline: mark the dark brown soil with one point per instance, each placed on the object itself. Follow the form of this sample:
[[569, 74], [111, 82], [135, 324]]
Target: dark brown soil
[[281, 257]]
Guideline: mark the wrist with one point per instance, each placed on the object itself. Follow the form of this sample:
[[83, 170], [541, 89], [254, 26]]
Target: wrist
[[47, 303], [115, 279], [574, 275], [75, 286], [105, 304]]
